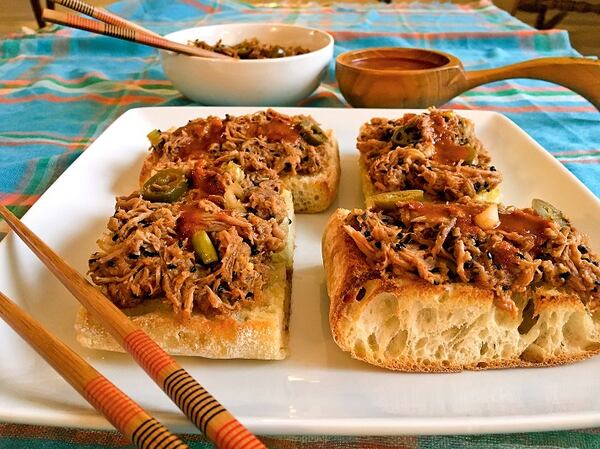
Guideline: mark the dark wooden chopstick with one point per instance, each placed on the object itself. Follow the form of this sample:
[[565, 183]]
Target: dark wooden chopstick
[[128, 34], [103, 15], [128, 417], [199, 405]]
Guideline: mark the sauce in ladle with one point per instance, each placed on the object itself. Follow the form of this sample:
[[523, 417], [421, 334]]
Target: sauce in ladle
[[394, 63]]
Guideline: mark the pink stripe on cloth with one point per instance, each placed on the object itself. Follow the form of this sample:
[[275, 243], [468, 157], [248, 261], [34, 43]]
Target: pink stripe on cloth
[[148, 99], [342, 36]]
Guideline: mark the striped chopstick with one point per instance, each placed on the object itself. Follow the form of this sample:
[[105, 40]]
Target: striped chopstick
[[103, 15], [130, 419], [128, 34], [209, 416]]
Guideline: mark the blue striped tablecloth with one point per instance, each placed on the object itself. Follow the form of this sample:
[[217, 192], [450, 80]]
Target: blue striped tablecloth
[[60, 88]]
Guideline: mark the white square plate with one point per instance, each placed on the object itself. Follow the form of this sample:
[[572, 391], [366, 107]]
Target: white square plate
[[318, 389]]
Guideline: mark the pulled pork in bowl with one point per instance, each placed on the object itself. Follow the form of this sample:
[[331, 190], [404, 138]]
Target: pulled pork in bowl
[[280, 80], [251, 49]]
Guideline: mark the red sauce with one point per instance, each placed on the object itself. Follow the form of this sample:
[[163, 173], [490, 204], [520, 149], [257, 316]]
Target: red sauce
[[189, 222], [203, 136], [518, 221], [449, 153], [406, 117], [393, 63], [446, 151], [276, 130], [208, 183], [205, 181], [429, 210], [504, 253], [524, 223]]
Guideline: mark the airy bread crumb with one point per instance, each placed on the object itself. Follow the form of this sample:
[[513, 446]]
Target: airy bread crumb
[[411, 325]]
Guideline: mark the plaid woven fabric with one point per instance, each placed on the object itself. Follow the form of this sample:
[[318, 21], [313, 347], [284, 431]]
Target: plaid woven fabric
[[60, 88]]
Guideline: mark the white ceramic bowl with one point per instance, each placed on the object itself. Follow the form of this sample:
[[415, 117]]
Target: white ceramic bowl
[[255, 82]]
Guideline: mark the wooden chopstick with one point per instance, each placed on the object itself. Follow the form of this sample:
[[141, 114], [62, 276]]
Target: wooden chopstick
[[129, 418], [199, 406], [128, 34], [103, 15]]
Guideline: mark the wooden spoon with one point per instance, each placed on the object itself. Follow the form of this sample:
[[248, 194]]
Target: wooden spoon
[[416, 78]]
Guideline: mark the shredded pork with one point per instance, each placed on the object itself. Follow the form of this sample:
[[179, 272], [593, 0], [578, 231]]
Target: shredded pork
[[251, 49], [266, 142], [233, 168], [441, 243], [147, 251], [436, 152]]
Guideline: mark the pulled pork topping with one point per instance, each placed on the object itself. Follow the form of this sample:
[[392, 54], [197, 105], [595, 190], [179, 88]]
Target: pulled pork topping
[[436, 152], [442, 243], [251, 49], [263, 142], [148, 252]]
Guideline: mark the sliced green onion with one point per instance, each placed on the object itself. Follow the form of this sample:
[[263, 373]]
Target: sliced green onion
[[312, 133], [388, 200], [155, 138], [204, 247], [548, 211]]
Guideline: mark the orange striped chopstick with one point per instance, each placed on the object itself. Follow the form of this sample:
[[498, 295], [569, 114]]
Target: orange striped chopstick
[[129, 418], [128, 34], [199, 405], [103, 15]]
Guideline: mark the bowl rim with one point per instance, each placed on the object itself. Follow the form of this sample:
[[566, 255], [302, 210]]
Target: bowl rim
[[327, 47], [452, 61]]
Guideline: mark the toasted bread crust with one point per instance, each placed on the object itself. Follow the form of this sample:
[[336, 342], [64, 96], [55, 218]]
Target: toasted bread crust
[[259, 330], [411, 325], [315, 193]]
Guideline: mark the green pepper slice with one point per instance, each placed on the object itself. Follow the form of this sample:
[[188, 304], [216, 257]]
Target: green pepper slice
[[204, 247], [388, 200], [405, 135], [155, 138], [243, 49], [312, 134], [547, 210], [277, 52], [166, 186]]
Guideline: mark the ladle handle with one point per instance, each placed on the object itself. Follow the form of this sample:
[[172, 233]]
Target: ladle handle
[[578, 74]]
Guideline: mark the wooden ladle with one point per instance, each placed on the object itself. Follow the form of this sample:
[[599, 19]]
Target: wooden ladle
[[417, 78]]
